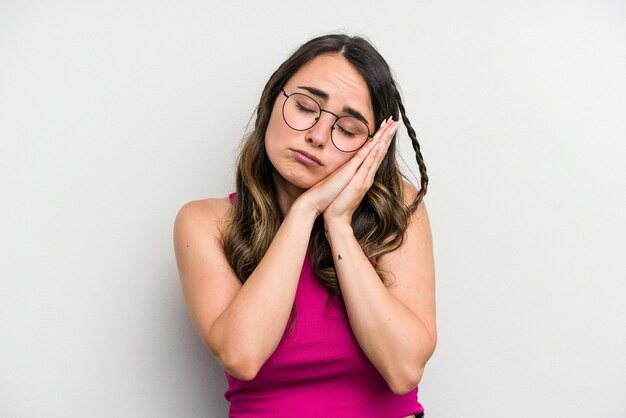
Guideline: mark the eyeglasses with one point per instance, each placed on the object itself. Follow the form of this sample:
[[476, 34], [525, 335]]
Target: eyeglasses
[[301, 112]]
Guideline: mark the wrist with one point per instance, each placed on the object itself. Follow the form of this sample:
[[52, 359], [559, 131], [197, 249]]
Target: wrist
[[301, 210], [337, 225]]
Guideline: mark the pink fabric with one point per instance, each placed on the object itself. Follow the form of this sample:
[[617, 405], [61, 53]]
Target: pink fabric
[[317, 370]]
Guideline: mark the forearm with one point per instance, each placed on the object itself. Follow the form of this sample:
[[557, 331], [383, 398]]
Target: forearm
[[249, 330], [392, 336]]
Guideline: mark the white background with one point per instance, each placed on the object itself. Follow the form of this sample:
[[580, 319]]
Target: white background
[[114, 114]]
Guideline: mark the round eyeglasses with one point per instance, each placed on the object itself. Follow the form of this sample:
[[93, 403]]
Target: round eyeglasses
[[301, 112]]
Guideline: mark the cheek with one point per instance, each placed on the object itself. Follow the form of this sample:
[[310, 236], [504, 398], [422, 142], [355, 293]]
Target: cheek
[[338, 160], [277, 131], [274, 132], [278, 136], [342, 157]]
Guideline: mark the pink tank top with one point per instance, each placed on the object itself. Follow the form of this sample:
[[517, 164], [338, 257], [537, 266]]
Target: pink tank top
[[318, 369]]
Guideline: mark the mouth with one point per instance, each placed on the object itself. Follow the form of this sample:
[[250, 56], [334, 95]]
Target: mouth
[[306, 158]]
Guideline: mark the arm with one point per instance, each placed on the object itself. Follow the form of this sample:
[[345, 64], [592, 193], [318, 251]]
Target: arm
[[395, 326], [241, 324]]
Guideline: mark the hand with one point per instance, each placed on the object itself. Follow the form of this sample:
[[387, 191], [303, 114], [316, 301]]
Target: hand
[[321, 195], [347, 201]]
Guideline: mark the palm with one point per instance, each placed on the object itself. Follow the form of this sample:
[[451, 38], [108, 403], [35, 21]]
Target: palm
[[347, 201], [338, 195]]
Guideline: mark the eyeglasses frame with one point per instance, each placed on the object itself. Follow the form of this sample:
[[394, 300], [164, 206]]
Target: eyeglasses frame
[[320, 116]]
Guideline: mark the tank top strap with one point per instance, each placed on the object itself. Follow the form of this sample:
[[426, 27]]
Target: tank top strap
[[231, 198]]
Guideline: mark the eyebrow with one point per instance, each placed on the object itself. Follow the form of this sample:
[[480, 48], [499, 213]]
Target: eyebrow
[[324, 97]]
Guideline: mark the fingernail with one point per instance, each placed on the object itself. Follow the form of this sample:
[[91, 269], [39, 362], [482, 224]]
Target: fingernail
[[393, 129]]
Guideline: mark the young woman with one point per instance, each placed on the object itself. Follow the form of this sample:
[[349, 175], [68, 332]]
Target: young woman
[[313, 284]]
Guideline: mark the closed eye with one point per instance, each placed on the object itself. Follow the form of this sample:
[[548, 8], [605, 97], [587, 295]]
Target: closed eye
[[304, 109], [345, 132]]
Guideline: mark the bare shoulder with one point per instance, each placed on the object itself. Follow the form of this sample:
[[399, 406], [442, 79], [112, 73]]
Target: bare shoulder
[[409, 192], [200, 220], [417, 236], [419, 224], [212, 212], [197, 238]]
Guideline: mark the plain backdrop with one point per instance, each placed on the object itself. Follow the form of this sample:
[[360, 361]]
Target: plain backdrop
[[114, 114]]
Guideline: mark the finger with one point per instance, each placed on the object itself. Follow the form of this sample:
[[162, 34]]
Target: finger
[[349, 169], [380, 155], [359, 171], [384, 125], [364, 152], [380, 133], [386, 143], [371, 163], [359, 158], [387, 129]]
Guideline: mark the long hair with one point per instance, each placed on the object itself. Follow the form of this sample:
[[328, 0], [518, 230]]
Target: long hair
[[380, 221]]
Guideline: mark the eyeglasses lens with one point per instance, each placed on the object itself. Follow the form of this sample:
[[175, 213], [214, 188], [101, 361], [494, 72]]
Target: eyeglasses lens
[[301, 112]]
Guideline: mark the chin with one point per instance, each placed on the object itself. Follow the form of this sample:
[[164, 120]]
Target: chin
[[294, 181], [298, 183]]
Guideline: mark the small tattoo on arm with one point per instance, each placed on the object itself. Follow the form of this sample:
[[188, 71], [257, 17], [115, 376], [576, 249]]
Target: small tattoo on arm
[[339, 257]]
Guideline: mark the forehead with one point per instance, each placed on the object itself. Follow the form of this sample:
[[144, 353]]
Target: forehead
[[336, 76]]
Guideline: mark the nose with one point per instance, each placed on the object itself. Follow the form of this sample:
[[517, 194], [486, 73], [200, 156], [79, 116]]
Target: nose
[[319, 134]]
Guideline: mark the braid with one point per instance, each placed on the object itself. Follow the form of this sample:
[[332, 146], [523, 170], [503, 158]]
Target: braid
[[418, 154]]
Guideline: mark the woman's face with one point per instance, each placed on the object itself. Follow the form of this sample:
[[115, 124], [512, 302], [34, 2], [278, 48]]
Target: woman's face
[[336, 85]]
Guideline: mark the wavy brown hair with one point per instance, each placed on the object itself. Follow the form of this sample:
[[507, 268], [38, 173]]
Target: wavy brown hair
[[380, 221]]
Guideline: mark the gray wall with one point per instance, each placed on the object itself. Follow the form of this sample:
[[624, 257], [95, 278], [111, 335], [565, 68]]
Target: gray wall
[[114, 114]]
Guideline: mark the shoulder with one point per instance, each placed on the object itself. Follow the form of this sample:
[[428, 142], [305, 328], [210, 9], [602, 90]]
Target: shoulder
[[202, 216], [204, 211], [417, 237], [409, 193]]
